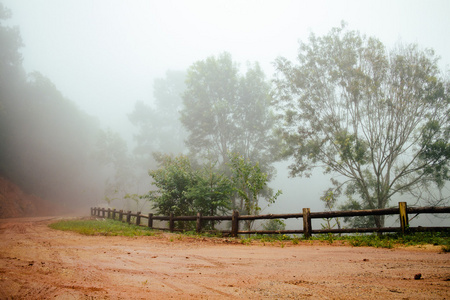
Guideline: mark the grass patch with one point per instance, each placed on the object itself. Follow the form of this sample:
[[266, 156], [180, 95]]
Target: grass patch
[[363, 240], [394, 239], [105, 227]]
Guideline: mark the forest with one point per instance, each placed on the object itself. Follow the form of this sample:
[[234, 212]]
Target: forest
[[376, 120]]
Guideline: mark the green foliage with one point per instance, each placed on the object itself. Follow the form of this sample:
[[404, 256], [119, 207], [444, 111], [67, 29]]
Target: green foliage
[[377, 119], [357, 222], [172, 180], [211, 192], [330, 198], [274, 224], [248, 183], [183, 190], [105, 227]]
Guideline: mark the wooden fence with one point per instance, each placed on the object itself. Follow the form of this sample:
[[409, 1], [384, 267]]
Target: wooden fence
[[402, 210]]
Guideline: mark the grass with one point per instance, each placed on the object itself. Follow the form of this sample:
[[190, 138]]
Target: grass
[[361, 240], [105, 227], [108, 227], [392, 240]]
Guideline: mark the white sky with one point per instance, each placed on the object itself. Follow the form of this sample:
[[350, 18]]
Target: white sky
[[105, 54]]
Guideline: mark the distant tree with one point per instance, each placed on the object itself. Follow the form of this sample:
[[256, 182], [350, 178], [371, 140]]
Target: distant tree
[[378, 120], [228, 112], [160, 129], [210, 101], [255, 121], [274, 224], [112, 153]]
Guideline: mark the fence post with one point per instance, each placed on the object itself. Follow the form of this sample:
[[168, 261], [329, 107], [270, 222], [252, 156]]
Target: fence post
[[198, 226], [103, 212], [404, 222], [109, 212], [307, 227], [114, 214], [171, 222], [138, 218], [150, 220], [121, 215], [235, 223], [98, 211], [129, 217]]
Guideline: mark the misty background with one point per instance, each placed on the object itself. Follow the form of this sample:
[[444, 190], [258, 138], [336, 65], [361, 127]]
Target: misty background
[[101, 59]]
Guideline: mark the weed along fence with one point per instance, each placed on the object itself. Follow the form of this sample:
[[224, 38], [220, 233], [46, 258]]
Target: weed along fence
[[402, 210]]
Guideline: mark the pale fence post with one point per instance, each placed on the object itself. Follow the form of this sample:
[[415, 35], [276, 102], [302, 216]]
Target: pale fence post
[[307, 226], [404, 222]]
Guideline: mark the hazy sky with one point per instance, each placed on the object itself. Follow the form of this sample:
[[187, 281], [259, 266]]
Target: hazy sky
[[105, 54]]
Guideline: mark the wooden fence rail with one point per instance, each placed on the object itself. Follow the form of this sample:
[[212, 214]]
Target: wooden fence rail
[[402, 210]]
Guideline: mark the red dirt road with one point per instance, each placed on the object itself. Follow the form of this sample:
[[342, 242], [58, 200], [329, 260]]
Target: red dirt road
[[37, 262]]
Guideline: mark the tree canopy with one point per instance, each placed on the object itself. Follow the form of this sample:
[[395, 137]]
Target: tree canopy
[[377, 120], [45, 139], [159, 126], [225, 111]]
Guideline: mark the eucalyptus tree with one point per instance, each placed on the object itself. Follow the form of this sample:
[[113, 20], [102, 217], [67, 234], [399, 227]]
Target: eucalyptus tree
[[378, 120]]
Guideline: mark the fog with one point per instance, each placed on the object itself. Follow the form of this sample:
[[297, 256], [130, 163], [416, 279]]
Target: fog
[[105, 55]]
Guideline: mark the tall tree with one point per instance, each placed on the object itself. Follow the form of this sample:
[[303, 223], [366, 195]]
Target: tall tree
[[379, 120], [210, 101], [160, 129], [225, 111]]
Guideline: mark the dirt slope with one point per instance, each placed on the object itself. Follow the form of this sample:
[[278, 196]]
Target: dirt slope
[[15, 203], [37, 262]]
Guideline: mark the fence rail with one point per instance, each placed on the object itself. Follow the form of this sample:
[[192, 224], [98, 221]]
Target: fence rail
[[402, 210]]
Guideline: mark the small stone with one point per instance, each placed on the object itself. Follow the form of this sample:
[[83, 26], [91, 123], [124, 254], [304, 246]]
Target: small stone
[[417, 276]]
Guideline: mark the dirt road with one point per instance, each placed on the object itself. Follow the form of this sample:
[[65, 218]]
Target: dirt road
[[37, 262]]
